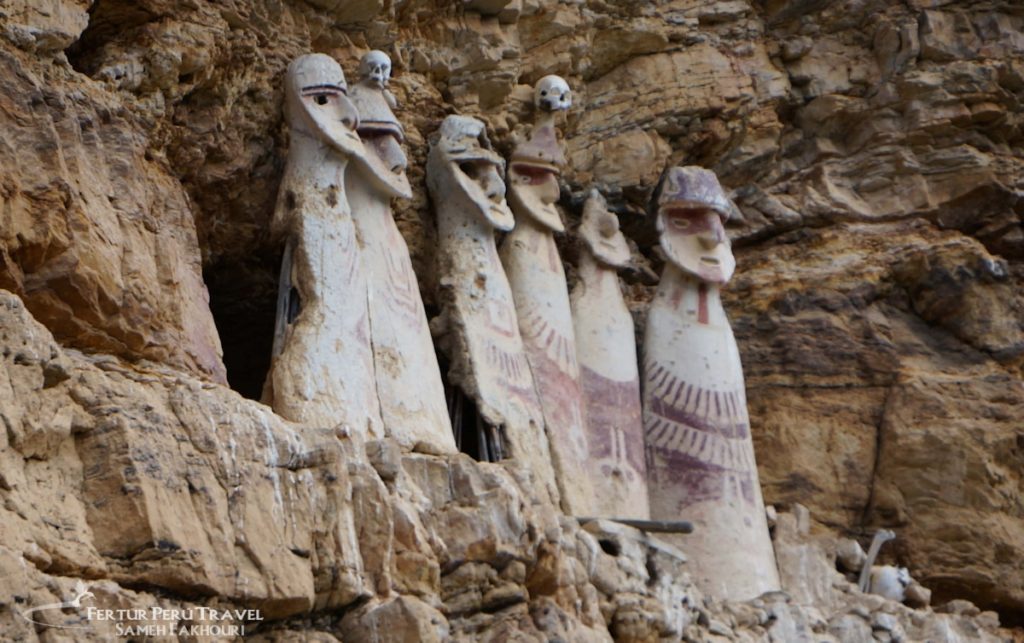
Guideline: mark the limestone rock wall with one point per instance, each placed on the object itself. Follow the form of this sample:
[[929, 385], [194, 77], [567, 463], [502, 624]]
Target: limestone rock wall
[[160, 494], [97, 232], [874, 150]]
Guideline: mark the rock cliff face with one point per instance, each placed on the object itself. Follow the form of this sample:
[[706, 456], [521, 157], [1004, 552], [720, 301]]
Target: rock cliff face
[[159, 494], [873, 148]]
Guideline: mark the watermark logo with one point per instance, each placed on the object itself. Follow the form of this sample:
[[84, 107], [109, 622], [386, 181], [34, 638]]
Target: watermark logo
[[81, 593], [189, 621], [150, 621]]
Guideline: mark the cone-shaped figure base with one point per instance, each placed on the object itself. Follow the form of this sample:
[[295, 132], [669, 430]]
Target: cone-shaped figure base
[[700, 457]]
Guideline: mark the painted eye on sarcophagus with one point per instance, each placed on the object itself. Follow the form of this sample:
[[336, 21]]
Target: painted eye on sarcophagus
[[322, 94], [687, 220], [475, 170], [679, 222]]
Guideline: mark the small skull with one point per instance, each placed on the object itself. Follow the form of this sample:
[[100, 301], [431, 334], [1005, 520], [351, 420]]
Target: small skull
[[376, 66], [552, 94]]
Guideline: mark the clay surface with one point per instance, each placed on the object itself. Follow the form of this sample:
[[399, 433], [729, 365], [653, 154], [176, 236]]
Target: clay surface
[[874, 150], [609, 375], [535, 272], [323, 372], [478, 328], [408, 378], [700, 456], [166, 486]]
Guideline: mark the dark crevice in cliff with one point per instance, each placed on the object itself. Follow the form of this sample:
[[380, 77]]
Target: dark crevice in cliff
[[472, 435], [869, 507], [108, 20], [183, 594], [985, 596], [243, 300]]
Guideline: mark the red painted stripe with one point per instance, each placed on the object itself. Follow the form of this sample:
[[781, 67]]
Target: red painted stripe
[[702, 304]]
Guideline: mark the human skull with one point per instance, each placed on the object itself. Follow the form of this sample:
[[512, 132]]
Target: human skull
[[552, 94], [376, 66], [890, 582]]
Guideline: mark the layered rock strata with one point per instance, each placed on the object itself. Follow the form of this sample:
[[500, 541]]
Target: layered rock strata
[[873, 149], [140, 489]]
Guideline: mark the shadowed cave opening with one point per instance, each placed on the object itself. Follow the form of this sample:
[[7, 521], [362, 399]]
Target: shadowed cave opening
[[473, 436], [609, 546], [243, 300], [986, 597], [109, 20]]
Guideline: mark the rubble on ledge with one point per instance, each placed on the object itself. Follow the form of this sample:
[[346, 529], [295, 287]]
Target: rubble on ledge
[[154, 489]]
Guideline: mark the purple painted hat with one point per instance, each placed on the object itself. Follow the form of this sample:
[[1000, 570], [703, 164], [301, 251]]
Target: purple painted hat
[[542, 148], [694, 187]]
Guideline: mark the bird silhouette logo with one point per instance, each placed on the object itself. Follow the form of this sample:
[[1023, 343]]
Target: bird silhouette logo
[[81, 592]]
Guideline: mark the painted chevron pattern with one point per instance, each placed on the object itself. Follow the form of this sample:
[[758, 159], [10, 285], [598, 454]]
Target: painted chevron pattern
[[613, 419], [704, 433], [501, 319], [540, 334], [404, 292], [512, 366]]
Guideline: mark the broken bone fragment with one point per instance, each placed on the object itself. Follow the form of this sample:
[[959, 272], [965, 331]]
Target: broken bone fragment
[[890, 581]]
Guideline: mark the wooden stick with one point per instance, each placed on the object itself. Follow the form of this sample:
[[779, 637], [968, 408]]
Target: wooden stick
[[656, 526], [456, 406], [284, 304], [486, 454]]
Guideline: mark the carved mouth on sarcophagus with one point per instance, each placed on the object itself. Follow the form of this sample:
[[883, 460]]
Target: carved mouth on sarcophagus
[[692, 211], [534, 190], [386, 139], [533, 173], [380, 128]]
